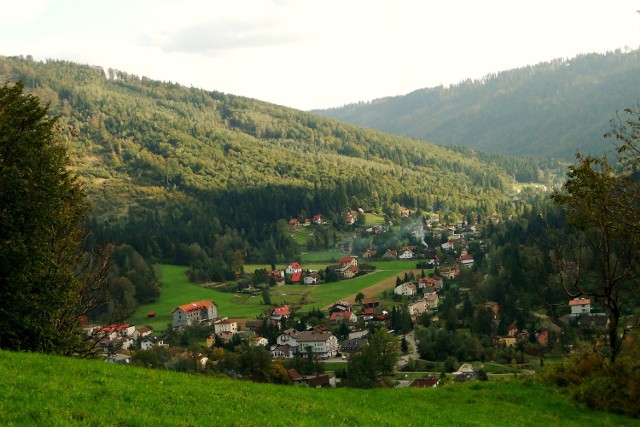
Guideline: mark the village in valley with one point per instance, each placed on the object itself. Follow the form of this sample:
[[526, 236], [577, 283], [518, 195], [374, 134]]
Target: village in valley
[[314, 347]]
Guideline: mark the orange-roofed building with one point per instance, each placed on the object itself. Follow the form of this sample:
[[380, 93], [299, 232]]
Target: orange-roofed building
[[194, 313], [580, 306]]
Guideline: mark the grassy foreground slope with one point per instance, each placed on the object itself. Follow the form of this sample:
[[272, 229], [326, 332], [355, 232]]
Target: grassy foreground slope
[[45, 390]]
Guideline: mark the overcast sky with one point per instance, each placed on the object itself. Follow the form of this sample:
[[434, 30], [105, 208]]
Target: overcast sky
[[315, 54]]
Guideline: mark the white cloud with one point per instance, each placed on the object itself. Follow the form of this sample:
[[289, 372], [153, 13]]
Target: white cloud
[[21, 12]]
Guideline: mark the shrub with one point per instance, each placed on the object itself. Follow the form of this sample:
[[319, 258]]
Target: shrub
[[592, 379]]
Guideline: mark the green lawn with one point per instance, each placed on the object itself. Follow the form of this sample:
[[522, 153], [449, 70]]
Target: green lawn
[[41, 390], [177, 290]]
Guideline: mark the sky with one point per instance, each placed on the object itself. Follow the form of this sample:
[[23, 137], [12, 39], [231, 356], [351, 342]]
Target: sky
[[315, 54]]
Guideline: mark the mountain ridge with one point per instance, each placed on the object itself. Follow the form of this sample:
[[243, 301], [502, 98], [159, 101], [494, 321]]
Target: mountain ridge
[[551, 109]]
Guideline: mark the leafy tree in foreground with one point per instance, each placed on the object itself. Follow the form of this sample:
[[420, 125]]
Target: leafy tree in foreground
[[46, 282], [603, 206]]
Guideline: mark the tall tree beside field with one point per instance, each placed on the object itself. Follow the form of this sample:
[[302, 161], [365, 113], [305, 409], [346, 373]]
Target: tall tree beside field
[[42, 208]]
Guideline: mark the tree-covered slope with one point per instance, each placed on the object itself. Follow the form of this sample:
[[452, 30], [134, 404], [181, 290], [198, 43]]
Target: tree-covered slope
[[548, 110], [182, 173]]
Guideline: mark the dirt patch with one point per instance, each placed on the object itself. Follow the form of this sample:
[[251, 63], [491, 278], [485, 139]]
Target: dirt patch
[[374, 290]]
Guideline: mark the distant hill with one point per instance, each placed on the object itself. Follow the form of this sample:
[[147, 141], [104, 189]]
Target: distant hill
[[548, 110], [183, 174], [41, 390]]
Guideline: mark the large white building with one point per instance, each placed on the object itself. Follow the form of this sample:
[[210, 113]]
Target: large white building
[[194, 313], [323, 344]]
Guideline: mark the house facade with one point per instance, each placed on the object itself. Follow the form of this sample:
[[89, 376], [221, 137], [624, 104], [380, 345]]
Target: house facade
[[580, 306], [406, 289], [225, 325], [323, 344], [194, 313]]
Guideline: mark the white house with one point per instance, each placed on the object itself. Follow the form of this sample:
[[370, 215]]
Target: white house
[[149, 342], [406, 254], [407, 289], [194, 313], [323, 344], [580, 306], [225, 325]]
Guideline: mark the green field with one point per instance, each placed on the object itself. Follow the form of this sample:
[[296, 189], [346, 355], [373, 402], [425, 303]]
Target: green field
[[177, 290], [40, 390]]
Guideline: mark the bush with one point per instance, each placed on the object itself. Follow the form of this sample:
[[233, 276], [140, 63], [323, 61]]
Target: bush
[[602, 385]]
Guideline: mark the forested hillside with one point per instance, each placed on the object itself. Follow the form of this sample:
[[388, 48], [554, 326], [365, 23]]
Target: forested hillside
[[204, 178], [548, 110]]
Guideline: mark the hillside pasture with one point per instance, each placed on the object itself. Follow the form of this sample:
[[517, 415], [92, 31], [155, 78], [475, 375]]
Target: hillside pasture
[[41, 390]]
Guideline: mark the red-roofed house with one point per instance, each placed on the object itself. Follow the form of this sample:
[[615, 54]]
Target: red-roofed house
[[425, 382], [343, 317], [194, 313], [465, 260], [348, 271], [349, 261], [294, 270], [580, 306], [281, 312]]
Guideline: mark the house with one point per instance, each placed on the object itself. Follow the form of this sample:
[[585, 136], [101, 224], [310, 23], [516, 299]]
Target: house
[[294, 270], [417, 308], [370, 253], [282, 351], [353, 346], [225, 325], [425, 382], [113, 332], [262, 341], [340, 306], [506, 341], [390, 254], [323, 344], [449, 273], [277, 275], [142, 332], [317, 219], [580, 306], [343, 317], [407, 289], [296, 378], [281, 312], [349, 261], [293, 222], [311, 279], [465, 260], [405, 253], [348, 272], [194, 313], [150, 342], [288, 337], [446, 246], [370, 302], [119, 358], [225, 336], [320, 381], [358, 334], [432, 301]]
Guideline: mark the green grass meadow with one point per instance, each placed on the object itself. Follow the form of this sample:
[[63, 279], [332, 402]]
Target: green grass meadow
[[41, 390], [177, 290]]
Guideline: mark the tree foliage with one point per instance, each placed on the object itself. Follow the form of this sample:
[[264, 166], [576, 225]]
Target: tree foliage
[[602, 202], [46, 283]]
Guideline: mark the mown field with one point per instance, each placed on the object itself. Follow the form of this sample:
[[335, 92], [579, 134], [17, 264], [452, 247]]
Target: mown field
[[40, 390], [177, 290]]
